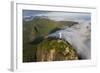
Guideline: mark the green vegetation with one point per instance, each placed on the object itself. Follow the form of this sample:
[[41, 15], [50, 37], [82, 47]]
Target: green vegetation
[[55, 50], [34, 32]]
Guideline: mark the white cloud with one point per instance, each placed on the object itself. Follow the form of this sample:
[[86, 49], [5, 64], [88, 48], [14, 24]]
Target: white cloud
[[66, 16]]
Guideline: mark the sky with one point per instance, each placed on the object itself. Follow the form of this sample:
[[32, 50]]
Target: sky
[[59, 16]]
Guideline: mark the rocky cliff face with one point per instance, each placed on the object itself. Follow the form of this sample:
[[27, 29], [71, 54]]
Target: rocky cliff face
[[55, 50]]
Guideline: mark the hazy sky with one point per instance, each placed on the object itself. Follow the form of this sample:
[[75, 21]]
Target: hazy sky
[[59, 15]]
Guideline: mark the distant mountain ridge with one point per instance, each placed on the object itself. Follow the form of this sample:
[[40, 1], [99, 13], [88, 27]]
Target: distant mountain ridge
[[29, 18]]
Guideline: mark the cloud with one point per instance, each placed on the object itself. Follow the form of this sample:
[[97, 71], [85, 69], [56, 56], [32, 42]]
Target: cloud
[[60, 16], [67, 16]]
